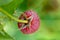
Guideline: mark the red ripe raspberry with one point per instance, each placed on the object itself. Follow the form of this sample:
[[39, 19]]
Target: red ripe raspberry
[[33, 22]]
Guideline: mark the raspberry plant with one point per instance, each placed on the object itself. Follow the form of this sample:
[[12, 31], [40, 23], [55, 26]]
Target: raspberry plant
[[9, 13], [47, 10]]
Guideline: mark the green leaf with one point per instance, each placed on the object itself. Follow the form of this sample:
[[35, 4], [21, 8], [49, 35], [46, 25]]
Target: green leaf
[[11, 7], [26, 4], [4, 2], [6, 37], [30, 4], [3, 34]]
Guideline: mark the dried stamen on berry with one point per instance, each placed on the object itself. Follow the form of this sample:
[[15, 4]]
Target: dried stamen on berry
[[24, 25]]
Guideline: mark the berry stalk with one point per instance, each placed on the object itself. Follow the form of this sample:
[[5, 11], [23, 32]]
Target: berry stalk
[[3, 11]]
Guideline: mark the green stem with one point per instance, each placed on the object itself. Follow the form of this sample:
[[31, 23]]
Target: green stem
[[22, 21]]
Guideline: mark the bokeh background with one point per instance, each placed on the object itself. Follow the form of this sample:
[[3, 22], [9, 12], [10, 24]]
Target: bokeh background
[[48, 12]]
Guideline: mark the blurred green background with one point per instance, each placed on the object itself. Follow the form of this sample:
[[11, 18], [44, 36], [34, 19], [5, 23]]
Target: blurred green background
[[47, 10]]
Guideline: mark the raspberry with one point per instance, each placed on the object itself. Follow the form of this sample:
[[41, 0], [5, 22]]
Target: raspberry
[[33, 22]]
